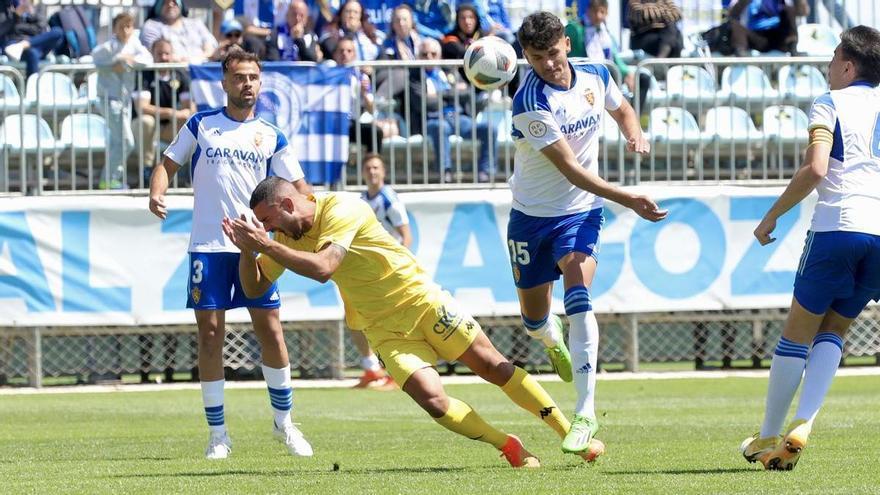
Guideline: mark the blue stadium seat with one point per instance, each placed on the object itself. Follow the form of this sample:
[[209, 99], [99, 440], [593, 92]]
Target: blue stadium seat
[[84, 132], [801, 83], [56, 93], [746, 84]]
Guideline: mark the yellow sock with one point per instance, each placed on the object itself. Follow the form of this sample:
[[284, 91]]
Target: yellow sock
[[463, 420], [527, 393]]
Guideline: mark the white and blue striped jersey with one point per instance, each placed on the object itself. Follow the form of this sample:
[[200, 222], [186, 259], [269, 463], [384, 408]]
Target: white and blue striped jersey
[[849, 195], [227, 160], [389, 210], [543, 114]]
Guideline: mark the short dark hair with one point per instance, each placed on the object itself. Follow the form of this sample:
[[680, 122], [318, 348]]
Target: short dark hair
[[861, 46], [236, 55], [123, 17], [540, 31], [373, 156], [158, 42], [595, 4], [267, 189]]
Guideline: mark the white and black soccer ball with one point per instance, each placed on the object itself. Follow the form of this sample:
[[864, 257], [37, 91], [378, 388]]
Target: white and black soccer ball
[[490, 63]]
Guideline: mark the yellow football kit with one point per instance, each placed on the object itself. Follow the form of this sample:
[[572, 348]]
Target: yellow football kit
[[407, 318]]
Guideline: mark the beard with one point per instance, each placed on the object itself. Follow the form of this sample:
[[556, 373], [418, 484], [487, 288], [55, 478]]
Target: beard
[[242, 103]]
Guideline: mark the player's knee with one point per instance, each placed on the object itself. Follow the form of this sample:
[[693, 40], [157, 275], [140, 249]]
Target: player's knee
[[436, 405]]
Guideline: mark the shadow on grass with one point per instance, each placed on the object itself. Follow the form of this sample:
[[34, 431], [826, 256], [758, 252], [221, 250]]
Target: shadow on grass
[[281, 472], [681, 471]]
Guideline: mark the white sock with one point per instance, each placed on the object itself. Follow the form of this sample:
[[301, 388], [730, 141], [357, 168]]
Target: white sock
[[583, 344], [280, 393], [212, 398], [370, 363], [542, 330], [821, 367], [786, 371]]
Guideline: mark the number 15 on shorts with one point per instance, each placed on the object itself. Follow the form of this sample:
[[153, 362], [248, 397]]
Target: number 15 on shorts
[[519, 256]]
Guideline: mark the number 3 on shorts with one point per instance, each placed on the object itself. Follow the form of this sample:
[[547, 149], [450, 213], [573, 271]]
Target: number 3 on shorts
[[519, 252], [197, 271]]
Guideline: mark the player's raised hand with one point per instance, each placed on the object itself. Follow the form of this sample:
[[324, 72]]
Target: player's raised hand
[[764, 229], [226, 225], [157, 206], [646, 208], [639, 145]]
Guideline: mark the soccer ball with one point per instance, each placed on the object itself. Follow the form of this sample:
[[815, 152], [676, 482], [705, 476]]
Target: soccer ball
[[489, 63]]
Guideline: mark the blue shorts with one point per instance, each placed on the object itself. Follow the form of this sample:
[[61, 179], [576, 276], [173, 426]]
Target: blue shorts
[[838, 270], [536, 244], [214, 284]]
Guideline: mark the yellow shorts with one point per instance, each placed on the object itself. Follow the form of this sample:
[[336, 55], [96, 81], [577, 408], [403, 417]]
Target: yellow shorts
[[445, 332]]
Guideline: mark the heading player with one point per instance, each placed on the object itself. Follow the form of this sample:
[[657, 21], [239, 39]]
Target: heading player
[[407, 318], [557, 202], [229, 150], [839, 270]]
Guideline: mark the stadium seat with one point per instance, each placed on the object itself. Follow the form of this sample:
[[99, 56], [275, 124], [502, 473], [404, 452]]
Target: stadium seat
[[674, 133], [89, 89], [729, 131], [801, 83], [689, 85], [56, 93], [817, 39], [786, 125], [83, 132], [10, 100], [27, 132], [746, 84]]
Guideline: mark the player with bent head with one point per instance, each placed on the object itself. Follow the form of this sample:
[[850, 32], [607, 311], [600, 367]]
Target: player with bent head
[[557, 203], [229, 150], [839, 271], [407, 318]]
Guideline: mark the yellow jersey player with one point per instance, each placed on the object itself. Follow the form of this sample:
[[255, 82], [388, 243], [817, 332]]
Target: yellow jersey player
[[409, 320]]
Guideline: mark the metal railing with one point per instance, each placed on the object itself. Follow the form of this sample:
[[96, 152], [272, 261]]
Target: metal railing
[[691, 114]]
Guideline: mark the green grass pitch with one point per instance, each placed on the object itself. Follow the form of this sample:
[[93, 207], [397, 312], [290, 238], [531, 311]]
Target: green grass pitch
[[663, 436]]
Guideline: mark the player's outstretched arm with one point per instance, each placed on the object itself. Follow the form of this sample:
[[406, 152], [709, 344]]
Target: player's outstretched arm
[[631, 129], [801, 185], [159, 186], [560, 154]]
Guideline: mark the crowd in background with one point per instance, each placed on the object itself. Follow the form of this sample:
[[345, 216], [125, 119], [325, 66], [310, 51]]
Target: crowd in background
[[346, 31]]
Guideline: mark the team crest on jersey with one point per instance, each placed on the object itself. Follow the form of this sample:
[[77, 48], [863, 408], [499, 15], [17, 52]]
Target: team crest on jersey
[[258, 139], [591, 98], [537, 128], [196, 294]]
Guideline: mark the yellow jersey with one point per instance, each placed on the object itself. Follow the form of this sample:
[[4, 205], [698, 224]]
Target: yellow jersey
[[381, 283]]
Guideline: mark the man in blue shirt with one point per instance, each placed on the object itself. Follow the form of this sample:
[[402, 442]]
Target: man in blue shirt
[[765, 25]]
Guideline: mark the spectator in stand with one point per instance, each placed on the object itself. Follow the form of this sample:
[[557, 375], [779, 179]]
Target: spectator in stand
[[234, 36], [116, 83], [467, 30], [439, 96], [259, 17], [494, 18], [162, 99], [295, 41], [25, 35], [653, 27], [591, 39], [769, 25], [434, 18], [403, 40], [361, 89], [352, 21], [190, 38]]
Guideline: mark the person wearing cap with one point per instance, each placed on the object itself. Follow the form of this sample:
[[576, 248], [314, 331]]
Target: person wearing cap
[[190, 39]]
